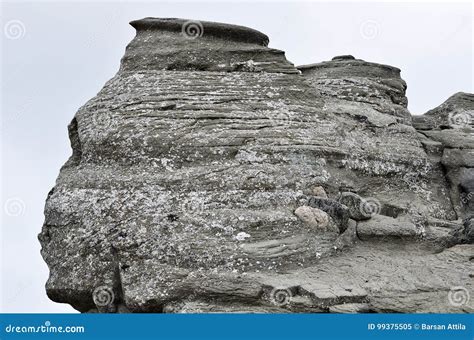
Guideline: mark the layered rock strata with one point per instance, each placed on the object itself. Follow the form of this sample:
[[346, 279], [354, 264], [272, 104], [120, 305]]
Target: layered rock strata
[[447, 132], [212, 175]]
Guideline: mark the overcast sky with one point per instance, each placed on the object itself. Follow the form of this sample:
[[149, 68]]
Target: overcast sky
[[56, 56]]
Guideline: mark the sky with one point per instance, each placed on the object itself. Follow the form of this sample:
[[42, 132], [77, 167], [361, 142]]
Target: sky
[[57, 55]]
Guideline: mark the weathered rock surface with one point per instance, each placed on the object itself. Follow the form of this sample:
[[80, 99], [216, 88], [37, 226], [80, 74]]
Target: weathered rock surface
[[211, 175], [386, 227], [451, 125], [455, 112]]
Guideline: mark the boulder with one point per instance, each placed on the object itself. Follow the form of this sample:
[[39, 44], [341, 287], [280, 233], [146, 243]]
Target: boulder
[[338, 212], [385, 227], [312, 217]]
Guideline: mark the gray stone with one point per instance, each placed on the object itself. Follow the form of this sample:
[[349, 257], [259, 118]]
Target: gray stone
[[338, 212], [458, 158], [319, 191], [452, 138], [452, 125], [457, 110], [188, 166], [312, 217], [386, 227], [325, 296], [469, 230], [357, 80], [359, 208], [350, 308]]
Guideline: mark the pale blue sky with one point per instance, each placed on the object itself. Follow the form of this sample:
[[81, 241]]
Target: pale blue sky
[[64, 53]]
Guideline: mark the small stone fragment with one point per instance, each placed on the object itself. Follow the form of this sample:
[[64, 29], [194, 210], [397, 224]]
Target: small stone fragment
[[312, 217], [319, 191], [338, 212]]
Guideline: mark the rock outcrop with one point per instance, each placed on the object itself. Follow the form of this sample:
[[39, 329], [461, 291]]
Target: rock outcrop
[[447, 132], [212, 175]]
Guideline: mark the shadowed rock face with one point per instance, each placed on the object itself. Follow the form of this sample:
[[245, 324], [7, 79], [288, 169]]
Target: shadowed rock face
[[448, 134], [211, 175]]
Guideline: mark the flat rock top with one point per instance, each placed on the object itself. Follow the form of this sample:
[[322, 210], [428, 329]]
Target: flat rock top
[[204, 28], [187, 45], [349, 61]]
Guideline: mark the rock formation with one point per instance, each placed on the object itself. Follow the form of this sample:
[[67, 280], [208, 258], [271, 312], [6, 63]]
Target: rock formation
[[212, 175]]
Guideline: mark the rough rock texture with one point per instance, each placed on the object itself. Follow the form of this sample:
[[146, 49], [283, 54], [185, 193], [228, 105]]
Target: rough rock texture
[[448, 133], [211, 175]]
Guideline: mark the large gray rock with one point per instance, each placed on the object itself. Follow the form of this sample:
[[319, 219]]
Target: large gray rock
[[360, 81], [451, 125], [456, 112], [380, 155], [194, 168]]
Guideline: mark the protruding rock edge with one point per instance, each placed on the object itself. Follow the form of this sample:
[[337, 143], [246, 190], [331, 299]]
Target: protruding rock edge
[[209, 29], [344, 60]]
